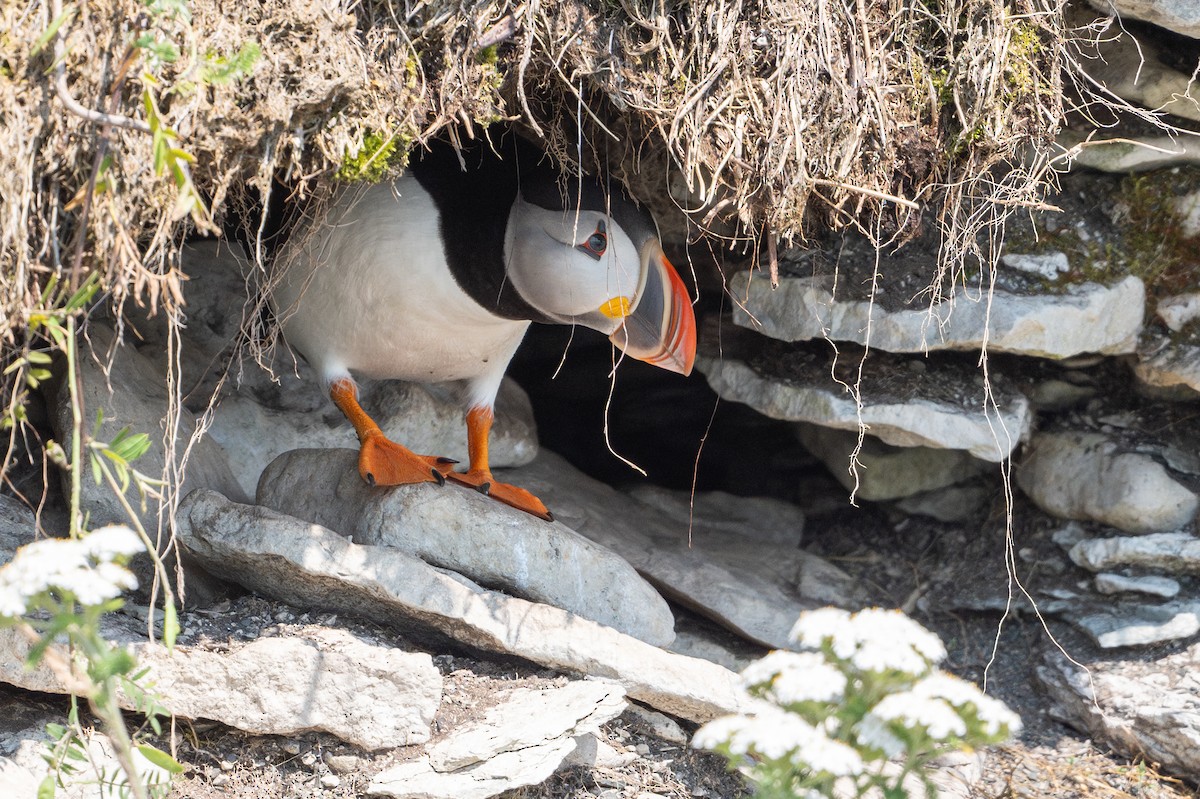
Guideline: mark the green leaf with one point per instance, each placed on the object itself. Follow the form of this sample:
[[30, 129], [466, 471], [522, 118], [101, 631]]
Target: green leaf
[[160, 758], [37, 356], [46, 789], [48, 34], [56, 731]]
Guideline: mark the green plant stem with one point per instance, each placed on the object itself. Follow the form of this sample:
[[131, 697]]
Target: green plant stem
[[76, 432], [160, 568]]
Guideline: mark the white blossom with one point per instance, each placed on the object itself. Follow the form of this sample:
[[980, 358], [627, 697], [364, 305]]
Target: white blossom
[[939, 720], [872, 640], [84, 567], [993, 713], [792, 677], [772, 733]]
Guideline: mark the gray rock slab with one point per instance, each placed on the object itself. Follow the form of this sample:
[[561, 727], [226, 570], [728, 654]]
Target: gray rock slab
[[1082, 318], [1151, 584], [909, 421], [368, 695], [1126, 154], [1170, 552], [738, 575], [426, 419], [1085, 476], [529, 717], [461, 530], [417, 779], [1174, 365], [308, 565], [954, 504], [1181, 16], [886, 472], [1140, 625], [17, 527], [1135, 69], [1142, 708], [1181, 310]]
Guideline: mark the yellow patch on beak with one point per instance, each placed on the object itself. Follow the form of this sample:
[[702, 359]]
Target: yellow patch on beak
[[616, 308]]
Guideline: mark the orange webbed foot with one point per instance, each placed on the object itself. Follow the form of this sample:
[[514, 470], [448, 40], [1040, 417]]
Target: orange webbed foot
[[382, 462], [511, 495]]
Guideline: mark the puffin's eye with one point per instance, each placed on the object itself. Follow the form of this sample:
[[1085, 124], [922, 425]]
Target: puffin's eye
[[596, 243]]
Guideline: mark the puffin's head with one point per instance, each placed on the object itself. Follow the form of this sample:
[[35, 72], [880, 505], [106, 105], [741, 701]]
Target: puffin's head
[[581, 255]]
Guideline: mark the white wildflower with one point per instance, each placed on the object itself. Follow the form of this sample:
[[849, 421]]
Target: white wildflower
[[939, 720], [815, 626], [872, 640], [83, 567], [893, 628], [791, 677], [111, 542], [992, 713], [771, 733]]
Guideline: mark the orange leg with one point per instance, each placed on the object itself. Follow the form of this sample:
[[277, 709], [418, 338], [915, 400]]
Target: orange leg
[[479, 475], [380, 461]]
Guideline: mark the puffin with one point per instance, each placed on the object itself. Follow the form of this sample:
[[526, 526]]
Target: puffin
[[435, 277]]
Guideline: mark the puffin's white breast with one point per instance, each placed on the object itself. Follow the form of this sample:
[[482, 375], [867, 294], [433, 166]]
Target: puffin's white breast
[[370, 292]]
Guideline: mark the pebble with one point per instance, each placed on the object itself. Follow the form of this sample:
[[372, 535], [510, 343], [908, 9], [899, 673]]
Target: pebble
[[342, 764], [642, 749], [309, 758], [330, 780], [291, 747]]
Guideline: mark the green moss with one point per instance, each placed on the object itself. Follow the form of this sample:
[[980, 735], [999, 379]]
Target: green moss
[[378, 157]]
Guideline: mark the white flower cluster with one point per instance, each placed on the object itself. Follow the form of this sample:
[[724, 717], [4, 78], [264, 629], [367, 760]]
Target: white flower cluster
[[935, 705], [772, 733], [873, 640], [84, 567], [791, 677]]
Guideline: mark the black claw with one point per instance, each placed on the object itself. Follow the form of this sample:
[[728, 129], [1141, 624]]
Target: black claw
[[549, 516], [439, 477], [447, 460], [370, 479], [484, 488]]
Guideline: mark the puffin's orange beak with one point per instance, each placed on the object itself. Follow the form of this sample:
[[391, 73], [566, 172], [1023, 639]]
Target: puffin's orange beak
[[661, 328]]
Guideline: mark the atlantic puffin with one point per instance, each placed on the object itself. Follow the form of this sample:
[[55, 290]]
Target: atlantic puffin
[[435, 277]]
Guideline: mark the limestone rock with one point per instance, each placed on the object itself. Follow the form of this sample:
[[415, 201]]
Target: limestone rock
[[1080, 475], [520, 742], [1172, 365], [134, 394], [1083, 318], [954, 504], [1144, 709], [529, 717], [426, 419], [309, 565], [459, 529], [1170, 552], [886, 472], [909, 421], [1127, 154], [418, 779], [748, 576], [368, 695], [1140, 625], [17, 527], [1048, 265], [1131, 68], [1181, 309], [1181, 16], [1151, 584]]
